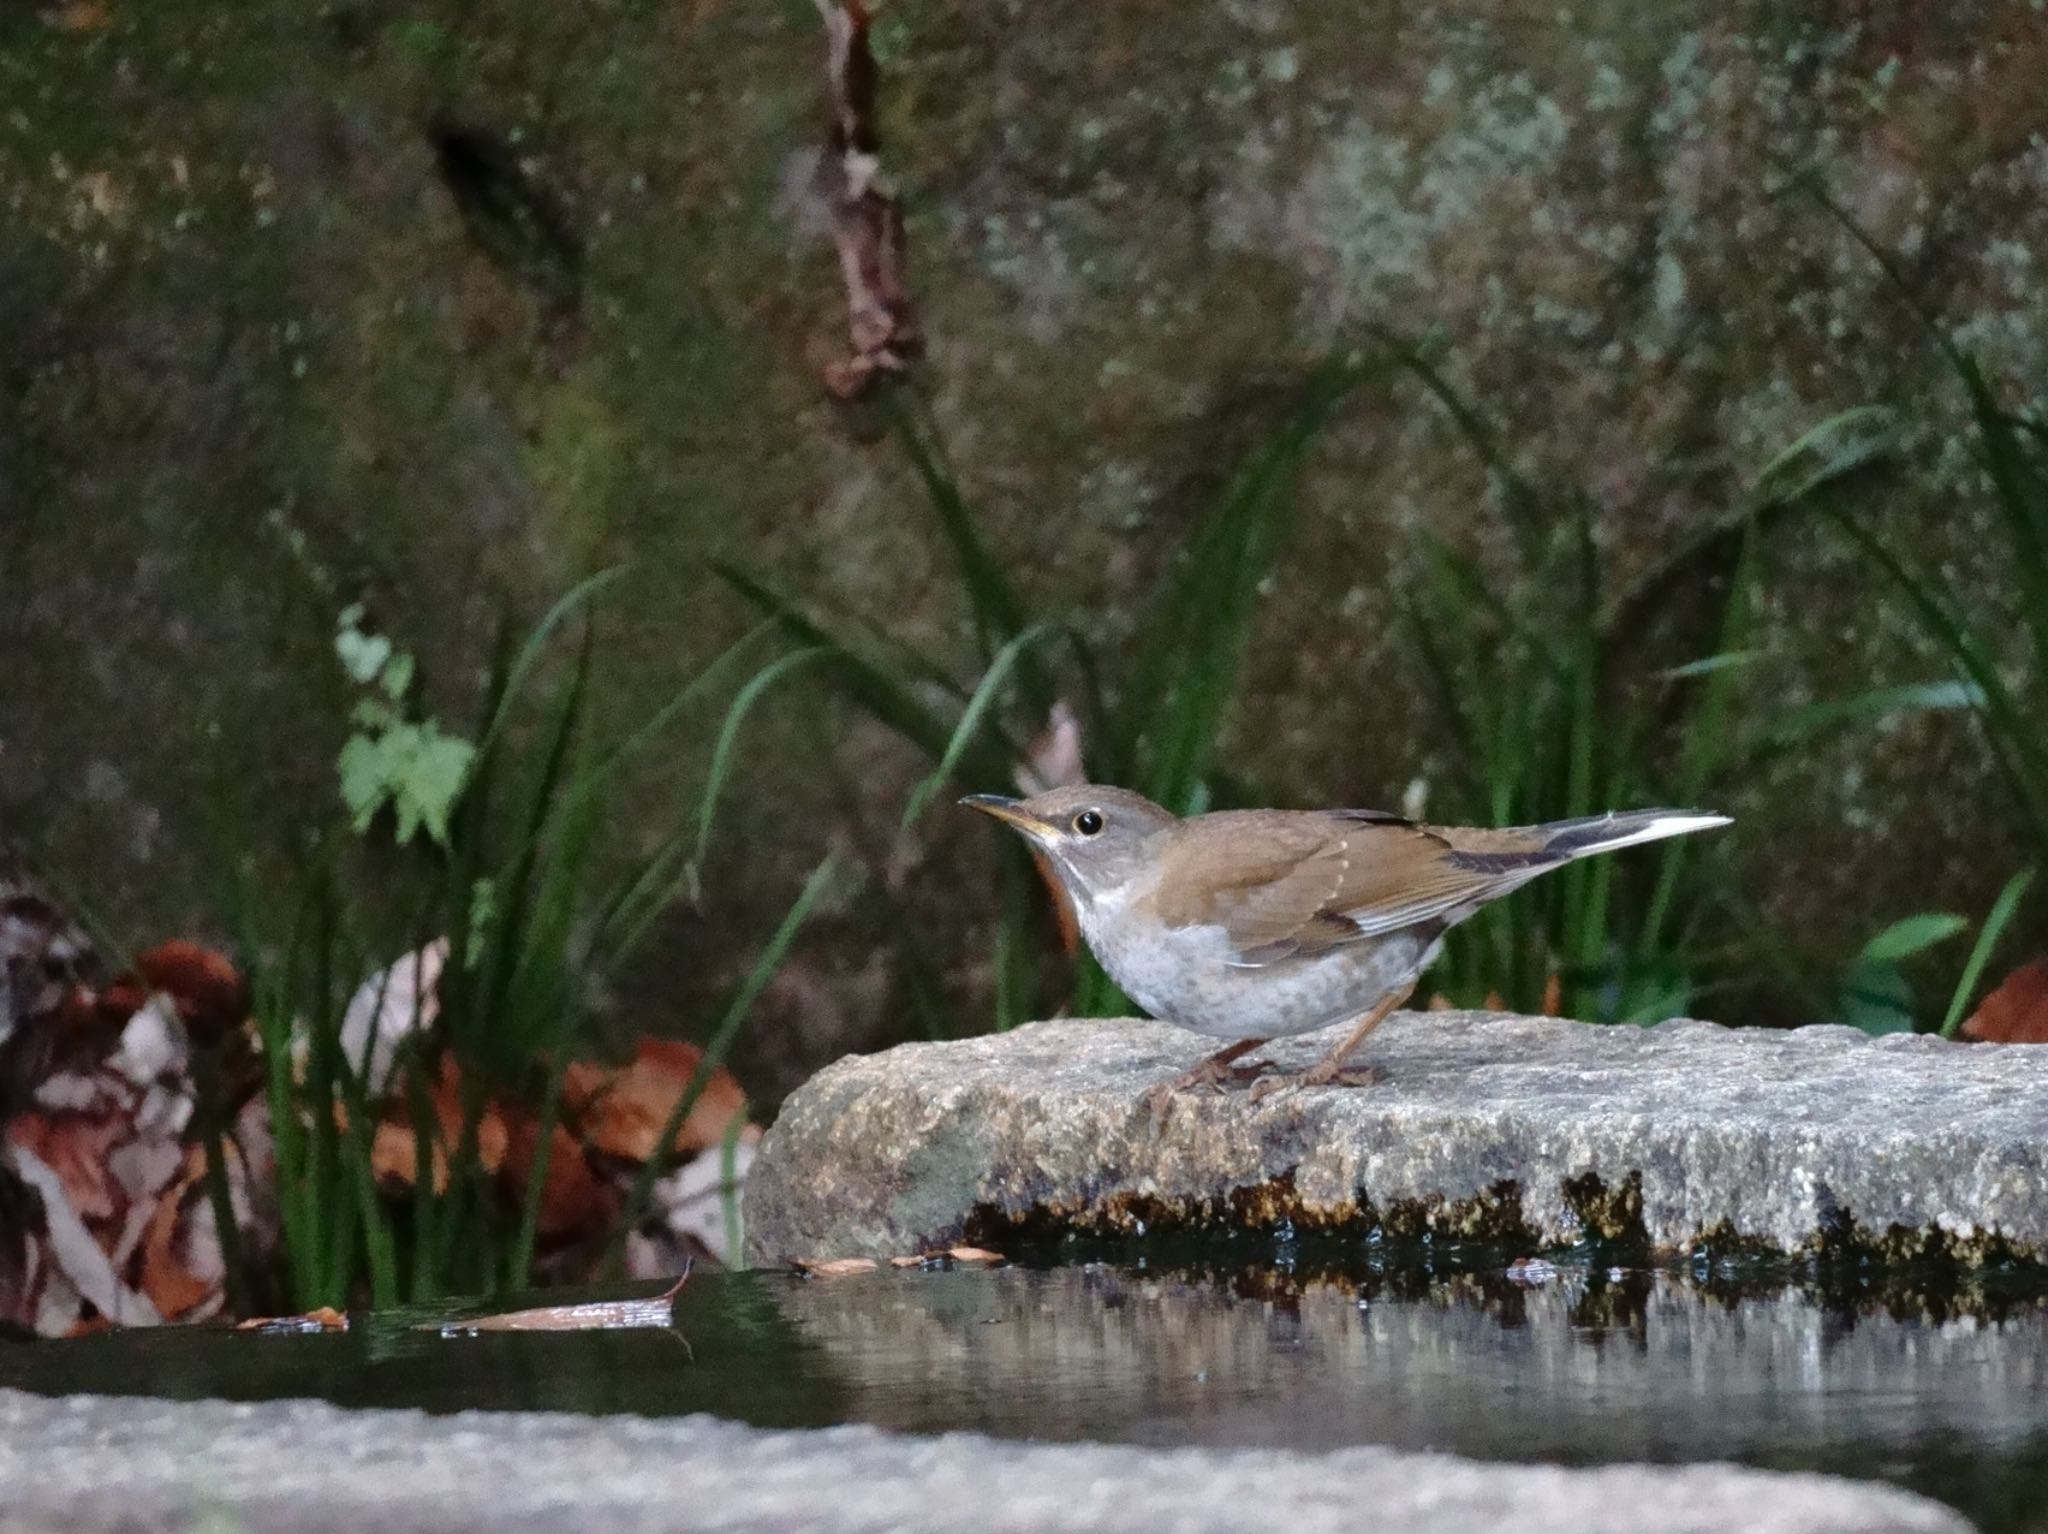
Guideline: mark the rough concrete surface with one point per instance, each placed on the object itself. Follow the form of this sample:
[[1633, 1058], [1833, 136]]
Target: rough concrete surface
[[1532, 1130], [93, 1465]]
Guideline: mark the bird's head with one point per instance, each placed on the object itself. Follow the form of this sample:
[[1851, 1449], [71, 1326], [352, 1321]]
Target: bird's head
[[1096, 838]]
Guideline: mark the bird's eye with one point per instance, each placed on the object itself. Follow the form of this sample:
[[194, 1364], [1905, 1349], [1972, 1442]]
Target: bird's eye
[[1088, 822]]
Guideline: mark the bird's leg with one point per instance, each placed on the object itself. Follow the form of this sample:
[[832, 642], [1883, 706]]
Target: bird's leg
[[1209, 1073], [1330, 1071]]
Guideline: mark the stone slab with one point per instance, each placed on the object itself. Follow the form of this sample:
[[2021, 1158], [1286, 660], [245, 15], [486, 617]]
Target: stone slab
[[1536, 1131], [95, 1465]]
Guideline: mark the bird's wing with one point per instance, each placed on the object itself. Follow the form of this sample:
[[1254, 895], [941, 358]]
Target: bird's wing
[[1280, 883]]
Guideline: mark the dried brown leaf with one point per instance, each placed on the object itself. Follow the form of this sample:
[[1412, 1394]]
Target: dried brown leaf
[[866, 224], [208, 991], [1053, 758], [394, 1149], [975, 1256], [621, 1111], [76, 1147]]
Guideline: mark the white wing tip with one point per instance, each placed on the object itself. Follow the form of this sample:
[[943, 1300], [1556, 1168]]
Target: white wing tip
[[1679, 825], [1657, 829]]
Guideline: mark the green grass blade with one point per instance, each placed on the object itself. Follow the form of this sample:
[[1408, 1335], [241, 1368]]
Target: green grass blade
[[1198, 633], [1796, 728], [998, 611], [2003, 909], [729, 732], [1526, 517], [1830, 450], [719, 1046], [521, 668], [519, 1262], [872, 688], [1007, 659]]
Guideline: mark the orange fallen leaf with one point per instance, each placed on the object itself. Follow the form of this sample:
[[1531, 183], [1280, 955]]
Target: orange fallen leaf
[[836, 1267], [1553, 995], [574, 1201], [394, 1150], [2015, 1013], [208, 990], [621, 1111], [167, 1277], [325, 1319]]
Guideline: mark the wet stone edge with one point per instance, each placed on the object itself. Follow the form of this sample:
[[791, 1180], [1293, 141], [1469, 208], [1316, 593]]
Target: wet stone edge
[[1921, 1271]]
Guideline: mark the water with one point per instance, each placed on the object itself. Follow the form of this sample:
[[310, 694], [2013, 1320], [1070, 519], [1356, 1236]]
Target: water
[[1942, 1393]]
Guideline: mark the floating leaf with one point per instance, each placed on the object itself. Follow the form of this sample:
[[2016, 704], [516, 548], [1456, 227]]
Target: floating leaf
[[325, 1319], [656, 1311], [836, 1267]]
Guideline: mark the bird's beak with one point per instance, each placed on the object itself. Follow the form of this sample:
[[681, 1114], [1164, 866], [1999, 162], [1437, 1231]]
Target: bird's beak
[[1010, 812]]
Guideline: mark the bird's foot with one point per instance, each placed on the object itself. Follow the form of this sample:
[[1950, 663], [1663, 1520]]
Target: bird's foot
[[1318, 1076], [1208, 1076]]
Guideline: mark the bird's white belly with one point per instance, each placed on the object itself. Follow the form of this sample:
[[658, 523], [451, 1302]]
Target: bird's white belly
[[1187, 979]]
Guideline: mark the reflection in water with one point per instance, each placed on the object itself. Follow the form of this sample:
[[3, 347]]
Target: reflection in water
[[1592, 1365]]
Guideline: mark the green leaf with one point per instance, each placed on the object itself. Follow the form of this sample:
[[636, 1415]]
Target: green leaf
[[398, 677], [434, 777], [362, 655], [1876, 998], [1915, 934], [365, 779]]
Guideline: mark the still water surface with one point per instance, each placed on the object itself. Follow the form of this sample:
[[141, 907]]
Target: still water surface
[[1942, 1393]]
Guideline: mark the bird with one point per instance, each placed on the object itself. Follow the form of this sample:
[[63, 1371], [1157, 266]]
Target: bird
[[1253, 925]]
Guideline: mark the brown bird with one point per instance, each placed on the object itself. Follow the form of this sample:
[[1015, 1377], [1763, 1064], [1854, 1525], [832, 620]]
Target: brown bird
[[1251, 925]]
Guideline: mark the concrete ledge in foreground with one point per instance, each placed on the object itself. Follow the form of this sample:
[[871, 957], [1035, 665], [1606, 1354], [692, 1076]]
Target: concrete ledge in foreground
[[94, 1465], [1536, 1131]]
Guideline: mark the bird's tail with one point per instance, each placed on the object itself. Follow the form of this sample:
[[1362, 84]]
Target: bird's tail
[[1566, 839]]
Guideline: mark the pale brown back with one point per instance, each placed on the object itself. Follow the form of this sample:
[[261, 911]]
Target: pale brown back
[[1282, 882]]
